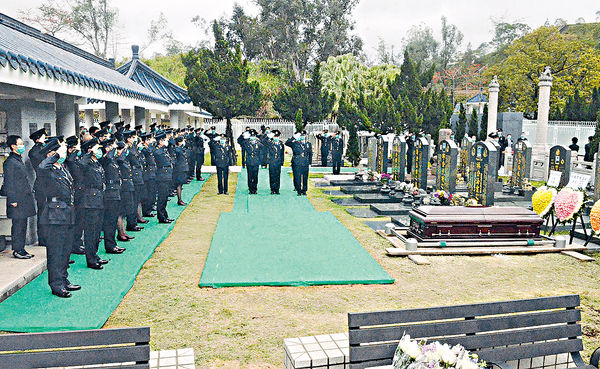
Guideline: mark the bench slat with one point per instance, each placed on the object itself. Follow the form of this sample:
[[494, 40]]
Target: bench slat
[[460, 311], [358, 336], [108, 355], [98, 337], [370, 364], [132, 366], [504, 354], [475, 343]]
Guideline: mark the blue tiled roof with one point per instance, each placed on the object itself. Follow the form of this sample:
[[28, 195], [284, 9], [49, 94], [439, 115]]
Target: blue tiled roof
[[25, 47], [478, 98], [141, 73]]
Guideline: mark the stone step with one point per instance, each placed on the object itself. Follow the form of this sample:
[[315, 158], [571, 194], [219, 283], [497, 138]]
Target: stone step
[[16, 273], [390, 209], [376, 198]]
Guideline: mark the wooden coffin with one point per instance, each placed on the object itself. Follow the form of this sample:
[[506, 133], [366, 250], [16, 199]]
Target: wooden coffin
[[458, 222]]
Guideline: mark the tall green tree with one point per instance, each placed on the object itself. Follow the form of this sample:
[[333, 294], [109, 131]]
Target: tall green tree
[[299, 122], [350, 118], [484, 124], [461, 125], [596, 139], [473, 129], [218, 81], [451, 40], [407, 84]]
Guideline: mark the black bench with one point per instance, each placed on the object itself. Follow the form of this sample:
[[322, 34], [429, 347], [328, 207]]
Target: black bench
[[499, 332], [93, 347]]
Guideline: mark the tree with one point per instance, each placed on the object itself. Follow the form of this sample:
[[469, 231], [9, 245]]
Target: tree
[[484, 125], [421, 45], [407, 84], [473, 129], [594, 106], [299, 121], [171, 67], [451, 40], [505, 33], [51, 17], [218, 80], [350, 118], [342, 76], [461, 125]]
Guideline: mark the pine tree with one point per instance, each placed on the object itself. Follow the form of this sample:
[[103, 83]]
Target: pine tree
[[484, 125], [461, 125], [594, 106], [473, 124], [349, 118], [299, 121]]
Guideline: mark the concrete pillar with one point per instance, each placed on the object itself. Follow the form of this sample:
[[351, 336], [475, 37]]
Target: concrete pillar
[[493, 89], [112, 111], [541, 133], [89, 117], [139, 116], [126, 116], [66, 115], [177, 118], [101, 115]]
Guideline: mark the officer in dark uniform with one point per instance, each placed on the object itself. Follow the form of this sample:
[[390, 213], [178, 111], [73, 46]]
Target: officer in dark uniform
[[301, 159], [254, 149], [275, 156], [128, 210], [112, 194], [19, 196], [199, 140], [58, 216], [337, 148], [325, 140], [223, 159], [212, 135], [74, 166], [180, 168], [164, 176], [137, 172], [240, 142], [38, 137], [189, 153], [264, 138], [149, 175]]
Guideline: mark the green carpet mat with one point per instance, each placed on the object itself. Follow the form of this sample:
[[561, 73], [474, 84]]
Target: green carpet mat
[[270, 240], [34, 309]]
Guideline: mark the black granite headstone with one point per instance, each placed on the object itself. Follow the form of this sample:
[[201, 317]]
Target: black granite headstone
[[372, 153], [560, 161], [521, 168], [420, 162], [463, 165], [447, 153], [398, 159], [483, 166], [381, 164]]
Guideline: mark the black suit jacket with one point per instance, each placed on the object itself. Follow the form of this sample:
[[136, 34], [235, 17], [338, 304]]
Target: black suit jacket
[[16, 188], [59, 191]]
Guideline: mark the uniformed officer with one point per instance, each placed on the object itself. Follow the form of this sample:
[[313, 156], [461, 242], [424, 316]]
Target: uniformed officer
[[240, 142], [325, 140], [254, 149], [264, 138], [149, 174], [19, 195], [127, 194], [188, 138], [38, 137], [112, 194], [223, 159], [275, 156], [74, 166], [337, 148], [180, 168], [301, 159], [212, 136], [58, 216], [137, 171], [164, 176], [199, 140]]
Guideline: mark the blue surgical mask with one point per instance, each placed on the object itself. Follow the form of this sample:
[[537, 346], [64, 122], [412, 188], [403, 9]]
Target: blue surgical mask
[[20, 149], [275, 139], [222, 142], [127, 152], [61, 160], [98, 153], [79, 153]]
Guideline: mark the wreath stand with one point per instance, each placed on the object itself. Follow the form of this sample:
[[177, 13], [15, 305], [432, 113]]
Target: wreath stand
[[579, 217]]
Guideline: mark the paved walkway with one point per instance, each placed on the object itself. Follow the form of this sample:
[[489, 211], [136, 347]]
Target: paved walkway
[[16, 273]]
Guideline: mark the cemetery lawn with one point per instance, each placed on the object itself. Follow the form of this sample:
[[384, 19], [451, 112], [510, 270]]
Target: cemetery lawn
[[244, 327]]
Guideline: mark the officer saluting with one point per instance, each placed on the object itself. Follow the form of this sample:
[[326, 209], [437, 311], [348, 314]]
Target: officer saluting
[[112, 194], [301, 159], [35, 157], [337, 148], [222, 160], [253, 148], [58, 216], [240, 142], [275, 155], [199, 140], [325, 146], [180, 168], [164, 176]]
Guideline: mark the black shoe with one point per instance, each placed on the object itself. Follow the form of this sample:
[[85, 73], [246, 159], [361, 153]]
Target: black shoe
[[123, 239], [134, 229], [73, 287], [116, 250], [181, 203], [102, 261], [166, 221], [62, 293], [78, 250], [276, 192], [22, 255], [225, 193], [71, 262], [151, 215], [96, 266], [299, 193], [200, 179], [143, 221]]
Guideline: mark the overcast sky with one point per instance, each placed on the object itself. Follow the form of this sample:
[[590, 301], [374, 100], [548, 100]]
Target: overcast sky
[[375, 19]]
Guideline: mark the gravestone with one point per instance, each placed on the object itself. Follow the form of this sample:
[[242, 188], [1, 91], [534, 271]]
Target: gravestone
[[381, 162], [483, 166], [597, 179], [521, 163], [463, 165], [497, 146], [420, 160], [444, 134], [362, 145], [399, 158], [560, 161], [447, 153], [372, 152]]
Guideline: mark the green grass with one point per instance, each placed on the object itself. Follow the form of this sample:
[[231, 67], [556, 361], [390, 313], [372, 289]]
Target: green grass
[[244, 327]]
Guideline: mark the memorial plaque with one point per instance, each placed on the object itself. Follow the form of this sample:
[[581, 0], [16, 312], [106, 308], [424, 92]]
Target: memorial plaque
[[420, 160], [521, 163], [560, 161], [398, 159], [447, 153], [597, 179], [381, 164], [372, 152], [483, 168], [463, 165]]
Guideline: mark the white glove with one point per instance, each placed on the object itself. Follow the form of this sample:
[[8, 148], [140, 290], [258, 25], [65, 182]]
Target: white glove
[[296, 135], [271, 135], [246, 135]]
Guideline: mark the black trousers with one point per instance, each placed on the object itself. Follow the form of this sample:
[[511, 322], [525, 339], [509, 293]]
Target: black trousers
[[223, 179], [337, 163], [191, 166], [252, 178], [40, 200], [244, 153], [296, 176], [302, 178], [92, 225], [78, 229], [199, 162], [109, 223], [131, 212], [324, 155], [164, 188], [18, 231], [58, 250], [275, 177], [149, 196]]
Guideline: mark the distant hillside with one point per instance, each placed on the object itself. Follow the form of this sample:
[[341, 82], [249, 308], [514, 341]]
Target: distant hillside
[[588, 33]]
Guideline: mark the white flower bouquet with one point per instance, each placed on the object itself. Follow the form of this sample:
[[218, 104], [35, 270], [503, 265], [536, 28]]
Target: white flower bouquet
[[411, 354]]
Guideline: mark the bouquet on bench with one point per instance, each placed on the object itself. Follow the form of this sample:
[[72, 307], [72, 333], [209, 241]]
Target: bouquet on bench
[[412, 354]]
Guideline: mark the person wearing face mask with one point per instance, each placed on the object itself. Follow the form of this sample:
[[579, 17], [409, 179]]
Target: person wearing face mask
[[58, 216], [212, 136], [164, 175], [180, 168], [112, 193], [19, 195], [35, 158], [223, 159], [128, 210], [325, 140], [264, 138], [149, 199], [199, 140], [253, 147], [275, 155], [301, 159], [73, 163], [337, 149], [135, 159], [240, 140], [522, 137]]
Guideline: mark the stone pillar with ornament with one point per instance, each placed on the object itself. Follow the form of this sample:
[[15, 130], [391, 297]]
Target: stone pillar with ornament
[[539, 169], [493, 89]]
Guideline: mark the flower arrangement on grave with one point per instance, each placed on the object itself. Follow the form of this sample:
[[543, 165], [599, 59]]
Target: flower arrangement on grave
[[444, 197], [457, 200], [372, 176], [385, 178], [595, 218], [543, 201], [411, 354], [568, 204], [472, 203]]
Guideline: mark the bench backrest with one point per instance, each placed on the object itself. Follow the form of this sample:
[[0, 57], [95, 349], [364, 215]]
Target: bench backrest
[[92, 347], [498, 331]]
